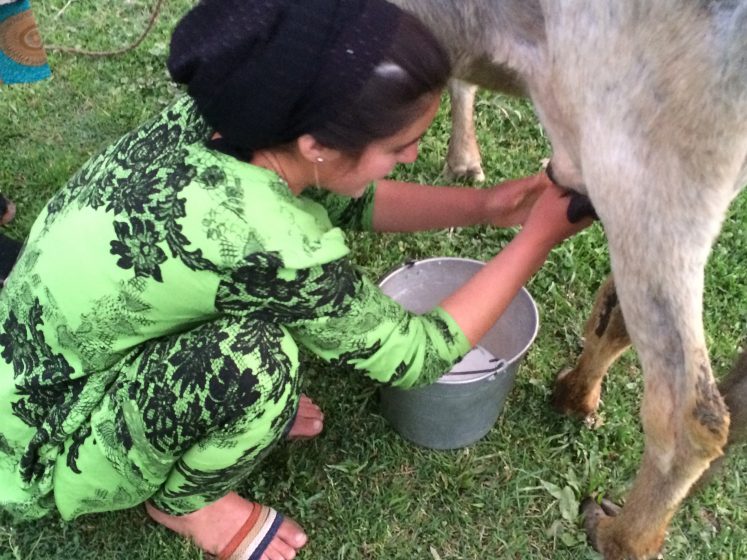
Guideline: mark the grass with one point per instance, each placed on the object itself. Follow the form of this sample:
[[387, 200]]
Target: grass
[[359, 490]]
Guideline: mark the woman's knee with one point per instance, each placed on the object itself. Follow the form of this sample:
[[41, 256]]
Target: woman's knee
[[212, 378]]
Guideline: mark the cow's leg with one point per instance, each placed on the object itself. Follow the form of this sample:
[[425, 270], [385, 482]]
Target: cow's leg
[[577, 390], [658, 267], [734, 390], [684, 418], [463, 159]]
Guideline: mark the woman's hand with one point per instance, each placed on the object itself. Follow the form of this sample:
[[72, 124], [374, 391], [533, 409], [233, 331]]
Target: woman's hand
[[547, 222], [509, 203], [477, 304]]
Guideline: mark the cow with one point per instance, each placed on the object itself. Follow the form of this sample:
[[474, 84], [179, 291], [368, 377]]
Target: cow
[[645, 106]]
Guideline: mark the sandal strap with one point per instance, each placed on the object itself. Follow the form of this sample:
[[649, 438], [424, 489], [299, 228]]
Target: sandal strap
[[254, 536]]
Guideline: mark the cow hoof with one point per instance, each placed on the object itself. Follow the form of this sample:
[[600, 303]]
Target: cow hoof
[[611, 538], [595, 511], [571, 398], [472, 173]]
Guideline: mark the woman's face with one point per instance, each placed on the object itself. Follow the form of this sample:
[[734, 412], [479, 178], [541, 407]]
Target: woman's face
[[379, 158]]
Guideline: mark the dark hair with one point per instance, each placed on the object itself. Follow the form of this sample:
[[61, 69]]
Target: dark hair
[[395, 95]]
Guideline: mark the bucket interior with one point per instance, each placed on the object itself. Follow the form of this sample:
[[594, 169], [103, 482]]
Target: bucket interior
[[422, 285]]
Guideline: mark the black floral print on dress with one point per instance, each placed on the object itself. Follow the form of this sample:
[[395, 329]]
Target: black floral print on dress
[[146, 152], [139, 180], [46, 393], [194, 359], [137, 246], [72, 457], [262, 339], [132, 195], [311, 293]]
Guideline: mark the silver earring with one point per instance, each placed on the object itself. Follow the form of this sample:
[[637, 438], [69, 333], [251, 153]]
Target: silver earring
[[320, 159]]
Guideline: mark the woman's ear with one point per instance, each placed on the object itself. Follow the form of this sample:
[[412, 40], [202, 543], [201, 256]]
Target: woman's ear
[[313, 151]]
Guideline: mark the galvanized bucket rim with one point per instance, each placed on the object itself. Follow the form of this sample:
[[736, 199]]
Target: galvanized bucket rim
[[452, 379], [506, 362]]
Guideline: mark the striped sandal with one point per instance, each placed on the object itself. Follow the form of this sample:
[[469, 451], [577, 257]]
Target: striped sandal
[[254, 536]]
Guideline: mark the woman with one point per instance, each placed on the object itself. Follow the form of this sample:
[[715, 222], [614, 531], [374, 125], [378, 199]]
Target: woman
[[158, 361]]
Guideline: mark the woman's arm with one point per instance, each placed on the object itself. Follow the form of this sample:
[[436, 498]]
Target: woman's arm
[[477, 304], [407, 207], [347, 320]]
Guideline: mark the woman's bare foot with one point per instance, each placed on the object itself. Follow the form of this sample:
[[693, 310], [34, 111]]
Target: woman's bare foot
[[7, 211], [309, 420], [212, 527]]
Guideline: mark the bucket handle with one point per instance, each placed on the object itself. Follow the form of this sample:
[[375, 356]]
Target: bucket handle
[[499, 366]]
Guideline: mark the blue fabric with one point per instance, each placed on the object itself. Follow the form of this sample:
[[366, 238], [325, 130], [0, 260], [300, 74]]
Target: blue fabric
[[257, 554], [22, 57]]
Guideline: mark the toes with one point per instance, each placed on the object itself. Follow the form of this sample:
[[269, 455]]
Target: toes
[[309, 408], [305, 428], [268, 555], [291, 533], [272, 553], [309, 421], [288, 540], [9, 213], [279, 551]]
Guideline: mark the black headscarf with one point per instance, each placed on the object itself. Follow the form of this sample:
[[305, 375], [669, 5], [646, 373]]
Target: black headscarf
[[264, 72]]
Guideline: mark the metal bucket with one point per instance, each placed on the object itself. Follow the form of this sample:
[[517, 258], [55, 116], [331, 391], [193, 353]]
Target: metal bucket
[[463, 405]]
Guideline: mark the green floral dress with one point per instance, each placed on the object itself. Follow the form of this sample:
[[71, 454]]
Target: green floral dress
[[150, 330]]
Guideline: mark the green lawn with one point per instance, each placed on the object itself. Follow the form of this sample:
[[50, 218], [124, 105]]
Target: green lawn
[[359, 490]]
